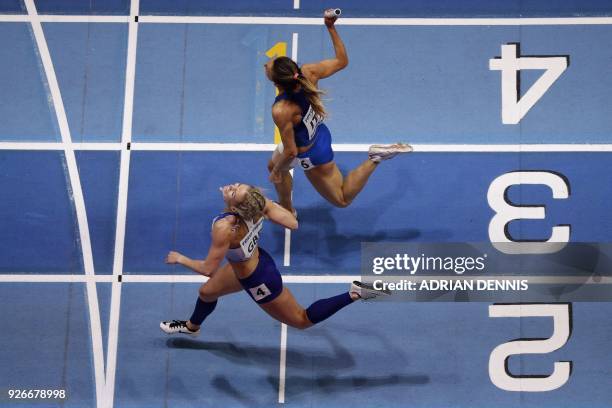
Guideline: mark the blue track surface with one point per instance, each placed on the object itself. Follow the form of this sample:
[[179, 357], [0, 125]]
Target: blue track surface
[[433, 82]]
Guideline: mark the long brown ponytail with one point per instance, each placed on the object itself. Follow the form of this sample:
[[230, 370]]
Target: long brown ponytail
[[287, 75]]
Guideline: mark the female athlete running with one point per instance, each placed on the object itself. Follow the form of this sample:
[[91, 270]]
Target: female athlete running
[[235, 236], [306, 142]]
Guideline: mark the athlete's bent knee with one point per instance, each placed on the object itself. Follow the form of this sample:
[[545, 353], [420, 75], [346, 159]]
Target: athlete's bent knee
[[341, 203], [303, 322], [207, 294], [270, 165]]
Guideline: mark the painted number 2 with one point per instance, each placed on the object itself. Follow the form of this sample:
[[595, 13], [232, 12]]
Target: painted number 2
[[498, 361]]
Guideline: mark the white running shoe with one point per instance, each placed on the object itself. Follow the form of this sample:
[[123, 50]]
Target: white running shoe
[[177, 326], [378, 153], [365, 291]]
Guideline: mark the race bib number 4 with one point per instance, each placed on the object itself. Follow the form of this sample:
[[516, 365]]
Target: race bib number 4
[[260, 292]]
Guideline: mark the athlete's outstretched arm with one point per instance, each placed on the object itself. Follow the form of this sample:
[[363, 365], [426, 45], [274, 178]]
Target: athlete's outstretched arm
[[279, 215], [328, 67], [175, 257], [216, 253]]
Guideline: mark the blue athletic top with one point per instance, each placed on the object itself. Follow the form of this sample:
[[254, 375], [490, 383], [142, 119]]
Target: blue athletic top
[[306, 130], [248, 243]]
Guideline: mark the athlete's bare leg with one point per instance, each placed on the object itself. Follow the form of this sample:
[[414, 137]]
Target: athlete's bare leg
[[338, 190], [285, 187], [221, 283]]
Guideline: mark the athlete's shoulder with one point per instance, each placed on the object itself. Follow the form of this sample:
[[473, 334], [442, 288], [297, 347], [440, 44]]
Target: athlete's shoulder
[[310, 72], [284, 110], [224, 224]]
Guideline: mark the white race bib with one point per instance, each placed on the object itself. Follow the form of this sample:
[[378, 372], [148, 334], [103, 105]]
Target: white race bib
[[260, 292]]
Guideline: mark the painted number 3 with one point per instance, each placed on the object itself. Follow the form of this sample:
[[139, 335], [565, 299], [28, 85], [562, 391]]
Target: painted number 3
[[505, 212]]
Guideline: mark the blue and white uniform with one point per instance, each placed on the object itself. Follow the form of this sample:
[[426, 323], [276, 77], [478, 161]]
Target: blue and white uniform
[[311, 131], [265, 283]]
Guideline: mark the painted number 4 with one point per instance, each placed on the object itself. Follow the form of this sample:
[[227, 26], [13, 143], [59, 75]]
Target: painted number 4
[[515, 107]]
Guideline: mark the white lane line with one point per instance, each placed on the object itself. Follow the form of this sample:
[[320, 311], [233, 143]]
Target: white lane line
[[511, 148], [97, 146], [111, 349], [50, 18], [14, 18], [58, 146], [62, 278], [282, 369], [301, 279], [221, 147], [378, 21], [77, 195], [192, 278], [294, 46], [122, 199], [338, 147], [287, 248], [476, 21], [56, 18], [32, 146]]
